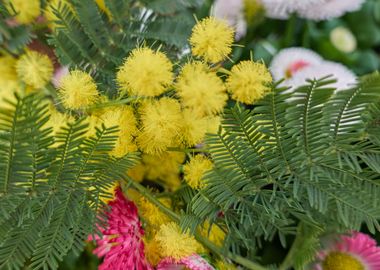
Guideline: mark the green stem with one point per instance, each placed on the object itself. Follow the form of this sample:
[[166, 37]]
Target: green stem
[[290, 31], [288, 261], [204, 241]]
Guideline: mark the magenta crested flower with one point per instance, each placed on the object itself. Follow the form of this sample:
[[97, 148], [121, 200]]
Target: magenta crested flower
[[121, 244], [355, 252]]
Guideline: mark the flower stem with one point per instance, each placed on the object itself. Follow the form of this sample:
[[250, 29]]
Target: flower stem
[[204, 241], [288, 261]]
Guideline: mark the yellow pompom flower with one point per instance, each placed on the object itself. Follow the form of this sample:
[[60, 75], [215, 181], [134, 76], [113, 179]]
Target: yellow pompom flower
[[124, 146], [195, 170], [249, 81], [212, 39], [163, 165], [175, 244], [152, 253], [194, 128], [201, 90], [161, 122], [34, 69], [213, 124], [27, 10], [78, 90], [152, 213], [145, 73]]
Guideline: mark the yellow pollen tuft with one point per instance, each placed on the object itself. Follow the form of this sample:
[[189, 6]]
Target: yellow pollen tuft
[[195, 170], [145, 73], [161, 123], [201, 90], [194, 128], [249, 81], [212, 39], [27, 10], [152, 251], [342, 261], [78, 90], [152, 213], [173, 243], [34, 69]]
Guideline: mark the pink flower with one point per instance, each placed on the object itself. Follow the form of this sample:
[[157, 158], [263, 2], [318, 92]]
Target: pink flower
[[193, 262], [357, 251], [121, 244]]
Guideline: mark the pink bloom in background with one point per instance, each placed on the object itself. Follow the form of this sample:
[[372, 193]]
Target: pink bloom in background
[[121, 243], [59, 74], [357, 251], [193, 262]]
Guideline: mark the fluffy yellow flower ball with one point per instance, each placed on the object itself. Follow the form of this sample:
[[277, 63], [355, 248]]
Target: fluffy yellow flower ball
[[175, 244], [163, 165], [201, 90], [152, 213], [195, 170], [212, 39], [249, 81], [27, 10], [35, 69], [194, 128], [145, 73], [78, 90], [161, 122], [152, 253]]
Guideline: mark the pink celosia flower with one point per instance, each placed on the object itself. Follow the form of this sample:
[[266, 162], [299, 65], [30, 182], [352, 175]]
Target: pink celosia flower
[[121, 243], [193, 262], [357, 251]]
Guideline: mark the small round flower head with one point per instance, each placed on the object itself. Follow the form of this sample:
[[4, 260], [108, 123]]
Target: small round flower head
[[176, 244], [152, 213], [161, 123], [201, 90], [233, 13], [212, 40], [195, 170], [345, 78], [27, 10], [329, 9], [289, 61], [34, 69], [145, 73], [164, 165], [343, 39], [122, 117], [249, 81], [152, 251], [78, 90], [124, 146], [193, 128], [357, 251]]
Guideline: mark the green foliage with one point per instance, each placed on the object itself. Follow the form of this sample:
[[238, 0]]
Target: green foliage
[[308, 155], [50, 187], [87, 38]]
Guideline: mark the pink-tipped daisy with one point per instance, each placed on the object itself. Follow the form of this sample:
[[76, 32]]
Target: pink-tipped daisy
[[357, 251], [288, 62], [345, 78], [121, 243], [330, 9], [233, 13], [193, 262]]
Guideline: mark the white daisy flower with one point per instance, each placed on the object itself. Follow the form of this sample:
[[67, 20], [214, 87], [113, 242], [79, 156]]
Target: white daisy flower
[[282, 9], [330, 9], [288, 62], [344, 77], [233, 12]]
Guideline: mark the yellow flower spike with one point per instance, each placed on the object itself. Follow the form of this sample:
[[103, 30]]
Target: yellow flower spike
[[212, 40], [248, 81], [78, 90], [161, 123], [194, 128], [175, 244], [34, 69], [145, 73], [195, 170], [201, 90], [27, 10]]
